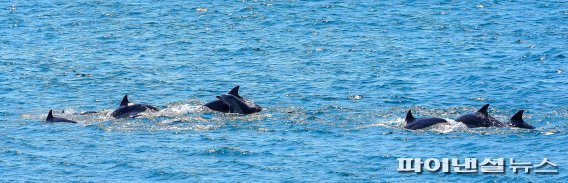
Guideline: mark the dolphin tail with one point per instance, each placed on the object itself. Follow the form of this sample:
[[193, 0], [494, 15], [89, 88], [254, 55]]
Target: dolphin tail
[[409, 116], [124, 101], [49, 115], [235, 92], [483, 110]]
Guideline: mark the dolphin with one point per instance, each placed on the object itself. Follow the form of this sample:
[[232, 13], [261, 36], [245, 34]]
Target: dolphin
[[126, 109], [517, 121], [52, 119], [237, 105], [218, 105], [480, 118], [419, 123]]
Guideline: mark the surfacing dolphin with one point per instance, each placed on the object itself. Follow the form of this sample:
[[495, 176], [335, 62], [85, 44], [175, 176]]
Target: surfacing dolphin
[[480, 118], [127, 110], [517, 121], [419, 123], [52, 119], [218, 105], [237, 105]]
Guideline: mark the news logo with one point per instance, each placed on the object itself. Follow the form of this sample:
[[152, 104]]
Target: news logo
[[472, 165]]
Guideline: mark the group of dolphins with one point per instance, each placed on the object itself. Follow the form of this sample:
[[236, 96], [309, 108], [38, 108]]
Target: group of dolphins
[[232, 102], [481, 118]]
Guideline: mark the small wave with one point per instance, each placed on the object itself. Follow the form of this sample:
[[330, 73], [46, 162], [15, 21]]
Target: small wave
[[169, 175], [179, 110], [228, 151], [344, 174]]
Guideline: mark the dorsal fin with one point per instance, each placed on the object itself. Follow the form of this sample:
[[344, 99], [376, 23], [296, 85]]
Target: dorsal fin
[[49, 115], [235, 92], [124, 101], [483, 110], [518, 116], [409, 117], [517, 121]]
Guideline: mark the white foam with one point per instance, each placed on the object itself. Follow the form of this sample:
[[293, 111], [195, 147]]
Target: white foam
[[179, 110]]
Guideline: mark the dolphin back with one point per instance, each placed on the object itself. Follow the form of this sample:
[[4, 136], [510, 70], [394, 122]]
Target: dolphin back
[[517, 121], [421, 123], [50, 118], [132, 110], [237, 105], [220, 106], [217, 105], [481, 118]]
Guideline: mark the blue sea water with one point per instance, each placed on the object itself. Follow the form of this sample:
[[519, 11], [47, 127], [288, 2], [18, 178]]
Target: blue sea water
[[334, 78]]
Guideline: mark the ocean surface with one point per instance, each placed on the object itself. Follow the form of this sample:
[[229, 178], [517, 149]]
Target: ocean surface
[[334, 78]]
